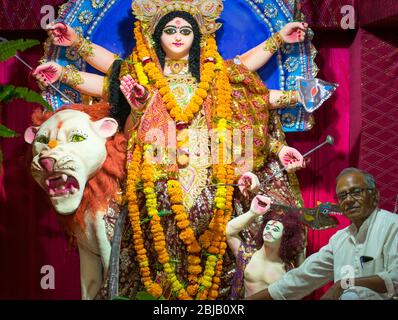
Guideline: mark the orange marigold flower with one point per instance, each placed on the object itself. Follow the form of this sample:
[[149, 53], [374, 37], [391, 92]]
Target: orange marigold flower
[[183, 224], [155, 290], [192, 289], [213, 250]]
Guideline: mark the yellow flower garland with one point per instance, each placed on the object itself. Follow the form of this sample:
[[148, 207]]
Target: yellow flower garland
[[156, 227], [134, 215], [186, 235]]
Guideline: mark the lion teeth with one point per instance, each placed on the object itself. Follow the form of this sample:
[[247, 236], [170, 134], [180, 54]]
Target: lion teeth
[[51, 192], [73, 190], [64, 177], [47, 183]]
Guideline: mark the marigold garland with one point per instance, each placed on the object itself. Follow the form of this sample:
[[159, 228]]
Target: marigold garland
[[160, 83], [134, 215], [213, 241], [156, 227]]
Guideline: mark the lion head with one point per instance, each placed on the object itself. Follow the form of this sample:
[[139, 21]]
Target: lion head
[[78, 157]]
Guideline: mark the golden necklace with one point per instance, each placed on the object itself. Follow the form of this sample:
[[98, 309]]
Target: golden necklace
[[176, 66]]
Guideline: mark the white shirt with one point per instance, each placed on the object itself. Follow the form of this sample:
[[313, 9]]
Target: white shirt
[[377, 238]]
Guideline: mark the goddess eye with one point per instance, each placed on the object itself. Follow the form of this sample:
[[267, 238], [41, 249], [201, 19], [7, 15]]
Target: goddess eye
[[42, 139], [185, 31], [170, 31], [77, 138]]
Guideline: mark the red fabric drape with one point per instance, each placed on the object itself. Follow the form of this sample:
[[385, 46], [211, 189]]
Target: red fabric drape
[[30, 236], [318, 180]]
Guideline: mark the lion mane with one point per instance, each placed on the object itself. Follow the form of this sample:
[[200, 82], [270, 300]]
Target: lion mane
[[103, 186]]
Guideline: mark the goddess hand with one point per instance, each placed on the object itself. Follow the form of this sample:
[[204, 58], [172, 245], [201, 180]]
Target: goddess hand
[[133, 91], [291, 159], [46, 73], [248, 181], [260, 205], [294, 32], [62, 35]]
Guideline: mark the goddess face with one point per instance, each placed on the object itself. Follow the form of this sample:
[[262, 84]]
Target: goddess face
[[273, 232], [177, 38]]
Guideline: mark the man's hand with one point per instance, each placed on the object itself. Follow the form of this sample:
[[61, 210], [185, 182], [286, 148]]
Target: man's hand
[[260, 205], [294, 32], [248, 181], [291, 159], [334, 292], [61, 34]]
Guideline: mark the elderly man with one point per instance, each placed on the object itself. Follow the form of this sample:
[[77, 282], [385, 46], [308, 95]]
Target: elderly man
[[362, 259]]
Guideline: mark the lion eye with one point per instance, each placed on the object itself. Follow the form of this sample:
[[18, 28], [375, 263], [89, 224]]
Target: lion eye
[[42, 139], [77, 138]]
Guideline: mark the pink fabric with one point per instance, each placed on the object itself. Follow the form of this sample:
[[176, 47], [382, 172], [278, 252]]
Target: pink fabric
[[374, 14], [25, 15], [318, 180], [379, 94], [325, 14]]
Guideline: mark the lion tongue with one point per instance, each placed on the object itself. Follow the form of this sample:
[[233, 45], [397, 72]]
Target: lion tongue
[[62, 185], [55, 183]]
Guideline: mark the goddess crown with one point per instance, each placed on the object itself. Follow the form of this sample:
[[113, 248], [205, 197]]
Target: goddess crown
[[205, 12]]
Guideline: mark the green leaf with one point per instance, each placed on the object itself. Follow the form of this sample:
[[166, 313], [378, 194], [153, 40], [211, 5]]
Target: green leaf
[[9, 49], [164, 213], [161, 213], [120, 298], [7, 133], [32, 96], [143, 295], [6, 93], [9, 92]]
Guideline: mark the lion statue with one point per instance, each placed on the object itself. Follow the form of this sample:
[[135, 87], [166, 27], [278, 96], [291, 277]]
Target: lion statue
[[79, 160]]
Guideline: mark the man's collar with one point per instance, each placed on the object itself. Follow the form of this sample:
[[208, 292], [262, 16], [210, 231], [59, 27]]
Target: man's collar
[[365, 225]]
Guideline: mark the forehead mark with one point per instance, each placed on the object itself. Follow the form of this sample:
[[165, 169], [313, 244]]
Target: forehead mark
[[178, 22], [59, 124]]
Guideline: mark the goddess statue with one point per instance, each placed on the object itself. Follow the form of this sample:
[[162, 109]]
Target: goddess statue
[[178, 102]]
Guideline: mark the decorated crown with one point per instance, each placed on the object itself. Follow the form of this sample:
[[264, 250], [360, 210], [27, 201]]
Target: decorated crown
[[205, 12]]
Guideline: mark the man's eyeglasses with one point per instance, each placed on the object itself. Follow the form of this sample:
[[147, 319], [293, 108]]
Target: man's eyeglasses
[[355, 193]]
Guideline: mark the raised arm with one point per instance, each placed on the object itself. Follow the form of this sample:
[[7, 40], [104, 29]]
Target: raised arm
[[95, 55], [84, 82], [259, 206], [283, 98], [257, 57]]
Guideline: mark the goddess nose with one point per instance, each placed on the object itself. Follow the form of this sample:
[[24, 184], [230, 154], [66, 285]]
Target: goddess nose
[[47, 164]]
